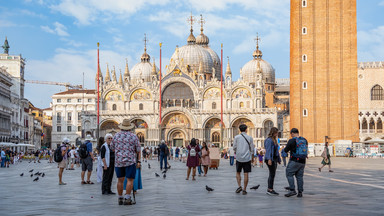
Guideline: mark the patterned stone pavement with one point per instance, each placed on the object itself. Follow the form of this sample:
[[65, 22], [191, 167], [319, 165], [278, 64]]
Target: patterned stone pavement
[[355, 188]]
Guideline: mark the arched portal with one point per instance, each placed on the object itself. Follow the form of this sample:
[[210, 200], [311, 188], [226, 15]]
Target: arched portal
[[177, 94], [213, 131], [177, 138], [268, 125], [240, 121], [109, 126], [176, 128], [140, 129]]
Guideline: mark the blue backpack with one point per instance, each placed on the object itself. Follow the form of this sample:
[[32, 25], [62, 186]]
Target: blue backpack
[[301, 148]]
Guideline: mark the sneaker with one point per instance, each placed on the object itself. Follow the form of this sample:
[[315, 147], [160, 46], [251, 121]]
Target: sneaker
[[272, 193], [300, 194], [120, 200], [291, 193], [239, 189], [128, 201]]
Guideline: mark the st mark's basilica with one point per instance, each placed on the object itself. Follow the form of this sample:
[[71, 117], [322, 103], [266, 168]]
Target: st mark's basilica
[[190, 97]]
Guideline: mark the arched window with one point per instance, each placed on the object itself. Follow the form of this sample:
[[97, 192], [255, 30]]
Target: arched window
[[377, 93], [141, 137], [304, 30], [215, 137], [213, 105], [241, 104], [141, 106], [304, 3], [365, 124], [305, 85], [305, 112], [114, 107], [304, 58]]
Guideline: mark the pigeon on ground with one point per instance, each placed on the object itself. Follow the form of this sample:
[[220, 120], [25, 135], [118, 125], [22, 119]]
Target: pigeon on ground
[[21, 174], [165, 171], [31, 175], [164, 176], [43, 175], [36, 179], [149, 166], [37, 173], [157, 175], [31, 170], [208, 188], [255, 187]]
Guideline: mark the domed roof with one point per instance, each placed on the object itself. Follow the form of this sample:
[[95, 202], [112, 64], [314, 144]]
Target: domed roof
[[250, 70], [202, 39], [215, 59], [143, 70]]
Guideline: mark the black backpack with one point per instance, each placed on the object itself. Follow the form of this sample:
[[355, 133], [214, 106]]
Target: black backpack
[[57, 156], [83, 153]]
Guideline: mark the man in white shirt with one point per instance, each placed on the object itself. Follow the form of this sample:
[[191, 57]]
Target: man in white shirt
[[231, 154], [244, 147]]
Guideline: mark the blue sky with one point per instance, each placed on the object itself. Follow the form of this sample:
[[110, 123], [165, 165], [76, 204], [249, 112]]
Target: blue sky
[[58, 37]]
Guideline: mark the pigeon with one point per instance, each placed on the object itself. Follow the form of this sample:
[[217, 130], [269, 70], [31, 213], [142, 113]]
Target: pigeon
[[157, 175], [37, 173], [21, 174], [164, 176], [165, 171], [208, 188], [36, 179], [149, 166], [255, 187], [31, 175], [43, 175], [31, 170]]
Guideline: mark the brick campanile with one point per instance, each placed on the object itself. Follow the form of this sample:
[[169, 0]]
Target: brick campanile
[[323, 70]]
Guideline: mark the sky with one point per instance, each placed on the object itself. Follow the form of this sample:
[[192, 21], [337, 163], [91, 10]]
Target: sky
[[58, 38]]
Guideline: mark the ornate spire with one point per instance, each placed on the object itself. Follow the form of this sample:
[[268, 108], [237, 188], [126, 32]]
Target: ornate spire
[[126, 73], [257, 54], [191, 38], [145, 57], [120, 79], [107, 76], [202, 39], [6, 46], [228, 72], [154, 72], [202, 22], [114, 75], [201, 67], [100, 75]]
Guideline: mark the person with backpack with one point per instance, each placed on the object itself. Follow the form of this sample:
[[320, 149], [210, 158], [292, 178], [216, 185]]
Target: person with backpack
[[193, 158], [298, 148], [85, 153], [243, 147], [163, 155], [272, 157], [61, 158]]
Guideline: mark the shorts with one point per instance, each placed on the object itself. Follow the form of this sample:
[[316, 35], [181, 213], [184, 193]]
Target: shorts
[[63, 164], [87, 164], [246, 166], [128, 172], [73, 160]]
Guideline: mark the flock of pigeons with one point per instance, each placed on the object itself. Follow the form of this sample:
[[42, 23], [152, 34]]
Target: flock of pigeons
[[36, 174]]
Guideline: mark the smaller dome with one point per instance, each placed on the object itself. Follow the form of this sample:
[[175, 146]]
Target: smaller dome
[[191, 39], [142, 70], [202, 39], [251, 69], [145, 57], [257, 53]]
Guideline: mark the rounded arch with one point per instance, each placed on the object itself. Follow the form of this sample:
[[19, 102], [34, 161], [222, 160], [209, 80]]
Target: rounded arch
[[177, 110], [140, 93], [139, 122], [364, 124], [187, 82], [176, 119], [141, 137], [377, 92], [109, 124], [241, 87], [215, 138], [113, 95], [177, 91], [212, 92], [212, 119], [178, 136], [368, 138], [239, 118]]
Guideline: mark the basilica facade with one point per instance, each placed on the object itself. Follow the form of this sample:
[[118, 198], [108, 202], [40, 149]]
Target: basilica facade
[[190, 93]]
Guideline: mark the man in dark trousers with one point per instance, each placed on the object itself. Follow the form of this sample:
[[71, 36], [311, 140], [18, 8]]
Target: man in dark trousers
[[163, 155], [298, 148], [108, 158]]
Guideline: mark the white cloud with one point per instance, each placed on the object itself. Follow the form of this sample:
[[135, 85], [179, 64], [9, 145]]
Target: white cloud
[[371, 44], [381, 3], [59, 29]]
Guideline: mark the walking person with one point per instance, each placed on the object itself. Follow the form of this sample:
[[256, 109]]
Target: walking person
[[163, 155], [177, 152], [284, 156], [108, 162], [261, 156], [272, 158], [326, 158], [87, 160], [205, 159], [3, 158], [298, 148], [193, 158], [244, 147], [64, 149], [127, 159], [199, 166], [231, 153], [100, 168]]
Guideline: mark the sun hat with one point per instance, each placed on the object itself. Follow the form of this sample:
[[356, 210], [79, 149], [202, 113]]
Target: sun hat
[[126, 125]]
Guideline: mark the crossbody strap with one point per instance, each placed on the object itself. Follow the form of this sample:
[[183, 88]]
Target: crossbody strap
[[249, 145]]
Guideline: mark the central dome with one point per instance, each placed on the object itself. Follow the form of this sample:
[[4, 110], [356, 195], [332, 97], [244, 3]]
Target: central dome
[[143, 69]]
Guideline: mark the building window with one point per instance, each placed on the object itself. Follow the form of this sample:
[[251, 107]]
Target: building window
[[58, 100], [79, 100], [304, 58], [215, 137], [68, 100], [305, 112], [58, 128], [141, 106], [304, 3], [89, 100], [58, 117], [377, 93], [305, 85], [69, 116], [141, 137], [241, 104], [79, 116], [114, 107], [69, 128], [304, 30], [213, 105]]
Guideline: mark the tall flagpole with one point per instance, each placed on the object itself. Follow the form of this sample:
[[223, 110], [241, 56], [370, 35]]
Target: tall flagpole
[[160, 77], [98, 91], [221, 84]]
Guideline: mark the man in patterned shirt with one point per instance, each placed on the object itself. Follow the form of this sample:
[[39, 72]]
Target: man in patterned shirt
[[127, 158]]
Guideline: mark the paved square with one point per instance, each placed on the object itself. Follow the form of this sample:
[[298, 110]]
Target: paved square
[[355, 188]]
